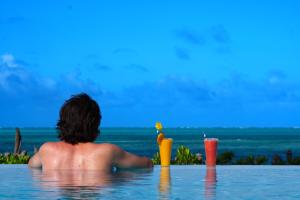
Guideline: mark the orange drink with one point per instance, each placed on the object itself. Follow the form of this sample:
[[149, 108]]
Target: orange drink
[[211, 145], [165, 146], [165, 151]]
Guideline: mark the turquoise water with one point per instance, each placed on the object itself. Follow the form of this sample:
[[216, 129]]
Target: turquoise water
[[178, 182], [142, 141]]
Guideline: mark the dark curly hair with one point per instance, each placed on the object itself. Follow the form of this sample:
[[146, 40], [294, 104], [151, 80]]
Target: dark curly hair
[[79, 119]]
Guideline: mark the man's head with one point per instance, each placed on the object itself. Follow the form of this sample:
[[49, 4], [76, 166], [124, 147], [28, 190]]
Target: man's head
[[79, 119]]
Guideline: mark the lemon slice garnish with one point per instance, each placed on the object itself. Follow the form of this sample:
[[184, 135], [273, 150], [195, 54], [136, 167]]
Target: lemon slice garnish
[[158, 126], [160, 137]]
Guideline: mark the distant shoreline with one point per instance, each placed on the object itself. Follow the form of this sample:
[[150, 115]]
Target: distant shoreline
[[216, 127]]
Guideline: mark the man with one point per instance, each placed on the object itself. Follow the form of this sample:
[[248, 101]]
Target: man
[[78, 124]]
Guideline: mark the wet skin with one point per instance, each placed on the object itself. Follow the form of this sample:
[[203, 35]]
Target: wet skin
[[85, 156]]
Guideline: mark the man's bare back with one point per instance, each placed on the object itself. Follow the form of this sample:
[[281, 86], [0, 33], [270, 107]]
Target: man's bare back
[[79, 120], [85, 156]]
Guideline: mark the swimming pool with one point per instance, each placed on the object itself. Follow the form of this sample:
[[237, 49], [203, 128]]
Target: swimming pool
[[176, 182]]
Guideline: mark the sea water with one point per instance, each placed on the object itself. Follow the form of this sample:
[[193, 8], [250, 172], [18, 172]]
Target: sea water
[[142, 141]]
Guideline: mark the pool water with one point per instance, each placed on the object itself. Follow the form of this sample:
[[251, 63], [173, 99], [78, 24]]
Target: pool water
[[176, 182]]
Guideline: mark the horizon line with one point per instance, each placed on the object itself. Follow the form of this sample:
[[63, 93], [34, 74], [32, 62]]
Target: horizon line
[[167, 127]]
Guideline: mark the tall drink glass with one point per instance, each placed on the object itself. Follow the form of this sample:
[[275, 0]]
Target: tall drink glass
[[165, 151], [211, 146]]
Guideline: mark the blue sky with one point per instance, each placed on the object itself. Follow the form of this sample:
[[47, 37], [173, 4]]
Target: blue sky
[[216, 63]]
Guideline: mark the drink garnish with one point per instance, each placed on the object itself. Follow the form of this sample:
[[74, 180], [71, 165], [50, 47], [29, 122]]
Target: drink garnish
[[158, 126], [160, 135]]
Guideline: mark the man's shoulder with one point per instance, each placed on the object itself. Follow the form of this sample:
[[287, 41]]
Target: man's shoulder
[[49, 146], [107, 146], [109, 149]]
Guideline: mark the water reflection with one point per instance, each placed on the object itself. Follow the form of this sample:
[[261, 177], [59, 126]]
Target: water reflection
[[164, 183], [210, 183], [79, 184]]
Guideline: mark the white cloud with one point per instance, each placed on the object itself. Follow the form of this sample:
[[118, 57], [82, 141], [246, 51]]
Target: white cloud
[[49, 83], [13, 76], [8, 60]]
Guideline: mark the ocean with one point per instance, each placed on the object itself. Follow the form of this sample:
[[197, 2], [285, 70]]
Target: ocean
[[142, 141]]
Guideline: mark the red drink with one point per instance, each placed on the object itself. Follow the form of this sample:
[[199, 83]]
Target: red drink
[[211, 146]]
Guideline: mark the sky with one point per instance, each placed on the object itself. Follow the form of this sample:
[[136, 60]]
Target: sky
[[184, 63]]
